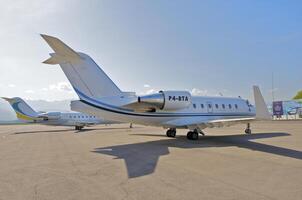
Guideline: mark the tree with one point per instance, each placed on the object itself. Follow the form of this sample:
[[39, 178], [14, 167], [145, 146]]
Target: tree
[[298, 95]]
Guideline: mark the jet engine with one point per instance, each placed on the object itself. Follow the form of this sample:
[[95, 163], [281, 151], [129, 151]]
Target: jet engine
[[167, 100], [50, 115]]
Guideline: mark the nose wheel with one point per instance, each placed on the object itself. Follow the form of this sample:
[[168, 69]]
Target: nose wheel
[[248, 129], [171, 132]]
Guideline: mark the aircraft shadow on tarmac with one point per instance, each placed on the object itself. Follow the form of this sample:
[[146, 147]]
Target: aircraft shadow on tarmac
[[141, 158], [75, 131], [43, 131], [55, 131]]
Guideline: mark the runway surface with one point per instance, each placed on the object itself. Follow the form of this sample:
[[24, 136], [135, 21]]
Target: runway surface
[[116, 162]]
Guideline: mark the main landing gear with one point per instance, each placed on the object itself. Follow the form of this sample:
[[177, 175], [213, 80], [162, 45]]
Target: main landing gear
[[171, 132], [78, 128], [194, 135], [248, 129]]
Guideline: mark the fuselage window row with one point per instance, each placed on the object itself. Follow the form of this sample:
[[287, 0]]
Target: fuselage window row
[[216, 106]]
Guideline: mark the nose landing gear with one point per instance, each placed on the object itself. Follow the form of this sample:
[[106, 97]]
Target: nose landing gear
[[248, 129]]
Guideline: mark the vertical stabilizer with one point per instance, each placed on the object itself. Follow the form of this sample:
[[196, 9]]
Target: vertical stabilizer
[[22, 109], [262, 112], [84, 74]]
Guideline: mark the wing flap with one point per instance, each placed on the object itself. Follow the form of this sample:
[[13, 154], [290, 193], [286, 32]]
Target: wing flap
[[201, 123]]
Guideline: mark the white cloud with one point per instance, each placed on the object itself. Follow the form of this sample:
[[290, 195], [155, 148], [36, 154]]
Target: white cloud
[[11, 85], [29, 91], [199, 92], [60, 86], [151, 91], [146, 85]]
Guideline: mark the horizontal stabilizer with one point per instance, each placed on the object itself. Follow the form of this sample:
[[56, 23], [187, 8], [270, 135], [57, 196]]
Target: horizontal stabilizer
[[85, 76], [62, 51]]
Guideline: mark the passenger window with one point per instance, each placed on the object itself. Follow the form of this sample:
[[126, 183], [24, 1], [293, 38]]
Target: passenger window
[[201, 105], [209, 105], [216, 105], [223, 106], [230, 106], [194, 105], [236, 106]]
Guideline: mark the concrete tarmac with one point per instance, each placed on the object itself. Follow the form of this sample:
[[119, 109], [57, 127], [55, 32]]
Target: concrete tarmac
[[116, 162]]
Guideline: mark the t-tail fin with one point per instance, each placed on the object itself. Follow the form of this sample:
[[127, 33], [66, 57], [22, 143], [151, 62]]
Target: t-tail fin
[[22, 109], [262, 112], [84, 74]]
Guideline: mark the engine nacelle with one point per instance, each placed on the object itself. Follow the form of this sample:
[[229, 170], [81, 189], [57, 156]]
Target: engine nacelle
[[51, 115], [167, 100]]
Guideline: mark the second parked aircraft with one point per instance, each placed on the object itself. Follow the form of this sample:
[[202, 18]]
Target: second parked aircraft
[[25, 113]]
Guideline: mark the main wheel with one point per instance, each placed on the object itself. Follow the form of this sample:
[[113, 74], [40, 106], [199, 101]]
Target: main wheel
[[192, 135], [248, 131], [171, 133], [189, 135]]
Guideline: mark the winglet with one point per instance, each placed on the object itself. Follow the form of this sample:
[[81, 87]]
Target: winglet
[[262, 112], [63, 53]]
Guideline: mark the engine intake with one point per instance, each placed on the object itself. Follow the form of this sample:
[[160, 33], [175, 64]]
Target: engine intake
[[167, 100]]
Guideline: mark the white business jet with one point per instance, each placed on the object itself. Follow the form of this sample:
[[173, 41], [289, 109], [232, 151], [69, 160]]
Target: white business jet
[[169, 109], [27, 114]]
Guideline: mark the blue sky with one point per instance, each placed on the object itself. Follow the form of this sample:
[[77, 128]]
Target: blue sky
[[207, 47]]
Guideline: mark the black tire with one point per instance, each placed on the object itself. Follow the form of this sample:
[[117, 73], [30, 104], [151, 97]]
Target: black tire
[[168, 133], [173, 133], [194, 135], [189, 135]]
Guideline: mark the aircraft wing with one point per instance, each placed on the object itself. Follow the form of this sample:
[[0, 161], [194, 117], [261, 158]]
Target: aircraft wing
[[203, 123]]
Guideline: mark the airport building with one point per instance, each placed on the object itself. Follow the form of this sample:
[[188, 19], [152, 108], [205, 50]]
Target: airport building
[[290, 109]]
